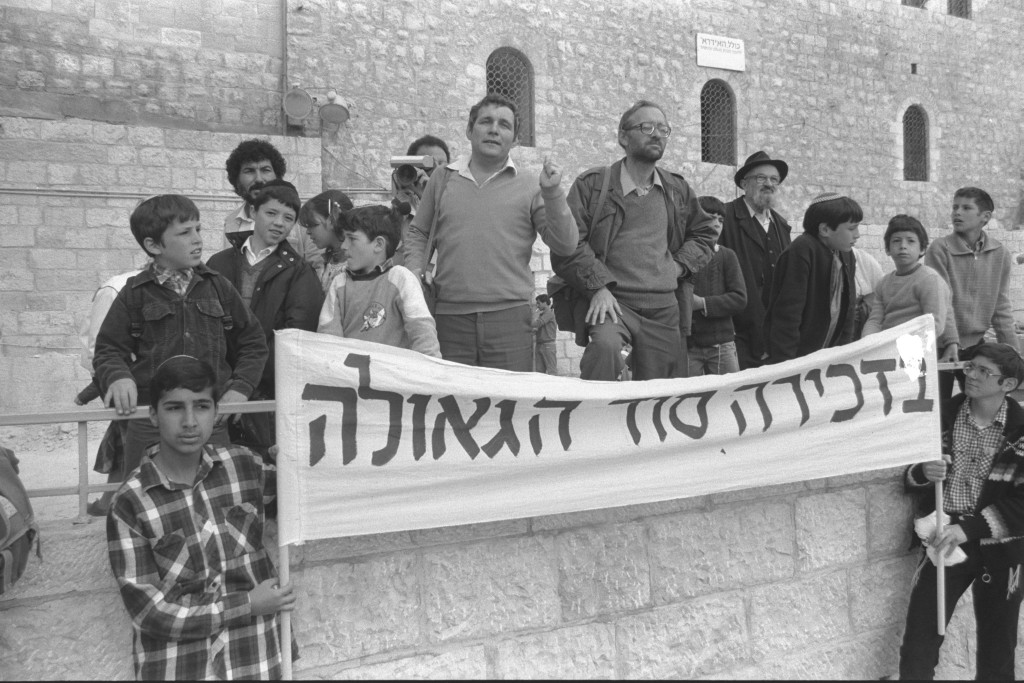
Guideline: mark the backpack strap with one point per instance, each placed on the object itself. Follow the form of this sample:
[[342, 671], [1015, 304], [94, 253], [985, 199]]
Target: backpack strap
[[606, 173], [134, 309], [219, 283]]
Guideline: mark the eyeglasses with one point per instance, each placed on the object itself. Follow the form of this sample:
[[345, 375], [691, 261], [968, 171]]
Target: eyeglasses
[[982, 371], [648, 128], [765, 179]]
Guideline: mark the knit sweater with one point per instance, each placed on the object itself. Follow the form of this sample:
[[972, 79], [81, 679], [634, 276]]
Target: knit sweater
[[484, 236], [980, 282], [385, 306], [900, 298], [721, 285]]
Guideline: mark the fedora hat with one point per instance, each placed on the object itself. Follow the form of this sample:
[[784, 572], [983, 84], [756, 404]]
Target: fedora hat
[[760, 158]]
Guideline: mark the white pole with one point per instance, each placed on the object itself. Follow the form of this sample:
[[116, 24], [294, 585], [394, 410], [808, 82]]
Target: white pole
[[286, 617], [940, 563]]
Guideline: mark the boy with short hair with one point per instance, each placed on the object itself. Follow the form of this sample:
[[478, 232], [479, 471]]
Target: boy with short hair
[[176, 305], [185, 540], [719, 293], [977, 268], [983, 433], [372, 299], [545, 358], [912, 289], [814, 296], [280, 289]]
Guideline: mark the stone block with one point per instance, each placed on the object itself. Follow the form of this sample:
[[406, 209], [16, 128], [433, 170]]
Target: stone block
[[759, 492], [688, 640], [602, 570], [578, 652], [76, 635], [16, 280], [890, 518], [787, 616], [349, 610], [465, 664], [74, 559], [700, 553], [356, 546], [880, 591], [17, 236], [831, 529], [468, 532], [492, 587], [615, 515], [866, 657], [45, 259]]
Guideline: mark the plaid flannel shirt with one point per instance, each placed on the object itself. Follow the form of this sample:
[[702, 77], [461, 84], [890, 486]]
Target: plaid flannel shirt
[[185, 558], [974, 448]]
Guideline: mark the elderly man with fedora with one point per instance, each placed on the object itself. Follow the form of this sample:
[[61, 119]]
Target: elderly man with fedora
[[758, 234]]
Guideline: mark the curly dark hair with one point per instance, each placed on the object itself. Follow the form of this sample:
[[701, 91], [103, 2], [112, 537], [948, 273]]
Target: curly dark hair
[[253, 150]]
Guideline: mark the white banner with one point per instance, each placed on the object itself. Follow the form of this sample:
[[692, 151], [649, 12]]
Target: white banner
[[377, 439]]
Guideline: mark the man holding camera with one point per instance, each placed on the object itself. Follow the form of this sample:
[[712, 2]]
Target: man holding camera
[[481, 217], [408, 180]]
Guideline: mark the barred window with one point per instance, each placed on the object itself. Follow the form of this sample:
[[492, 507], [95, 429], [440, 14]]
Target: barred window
[[510, 73], [717, 123], [915, 144], [914, 3], [960, 8]]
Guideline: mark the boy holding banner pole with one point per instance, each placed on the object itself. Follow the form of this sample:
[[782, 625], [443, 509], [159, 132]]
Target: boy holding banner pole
[[982, 480], [185, 539]]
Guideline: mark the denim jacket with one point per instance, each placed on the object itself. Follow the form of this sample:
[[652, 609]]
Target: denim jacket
[[200, 324]]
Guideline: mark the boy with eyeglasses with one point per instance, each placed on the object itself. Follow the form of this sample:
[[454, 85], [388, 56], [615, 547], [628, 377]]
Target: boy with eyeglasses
[[983, 471], [977, 268]]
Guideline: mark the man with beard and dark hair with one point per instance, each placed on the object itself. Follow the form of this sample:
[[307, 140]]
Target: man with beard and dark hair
[[642, 237], [255, 161], [758, 234]]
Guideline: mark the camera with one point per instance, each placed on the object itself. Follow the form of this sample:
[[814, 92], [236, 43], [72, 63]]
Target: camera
[[408, 165]]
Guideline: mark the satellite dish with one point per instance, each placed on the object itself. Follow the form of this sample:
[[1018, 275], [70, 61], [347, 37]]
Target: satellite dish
[[297, 103]]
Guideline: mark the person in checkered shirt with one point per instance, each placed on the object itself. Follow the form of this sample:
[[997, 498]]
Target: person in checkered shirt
[[185, 539], [983, 432]]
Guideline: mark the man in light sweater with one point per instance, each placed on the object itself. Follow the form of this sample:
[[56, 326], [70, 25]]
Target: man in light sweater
[[485, 215], [642, 238]]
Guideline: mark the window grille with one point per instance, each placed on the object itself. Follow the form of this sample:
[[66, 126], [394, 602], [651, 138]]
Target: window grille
[[960, 8], [915, 144], [915, 3], [717, 123], [509, 73]]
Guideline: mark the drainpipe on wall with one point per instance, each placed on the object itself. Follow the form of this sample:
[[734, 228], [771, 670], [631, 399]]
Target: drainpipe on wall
[[284, 64]]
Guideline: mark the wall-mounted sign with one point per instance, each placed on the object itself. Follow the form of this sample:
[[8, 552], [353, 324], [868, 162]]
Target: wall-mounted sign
[[720, 52]]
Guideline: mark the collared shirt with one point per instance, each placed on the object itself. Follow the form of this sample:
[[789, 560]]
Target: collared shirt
[[253, 257], [461, 166], [238, 221], [974, 449], [629, 186], [764, 218], [185, 557], [174, 280], [977, 247]]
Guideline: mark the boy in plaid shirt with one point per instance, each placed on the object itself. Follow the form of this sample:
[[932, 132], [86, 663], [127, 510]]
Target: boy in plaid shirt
[[185, 539], [983, 431]]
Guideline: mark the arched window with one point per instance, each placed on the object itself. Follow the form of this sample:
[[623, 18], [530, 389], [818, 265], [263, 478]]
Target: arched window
[[959, 8], [510, 73], [717, 123], [915, 143]]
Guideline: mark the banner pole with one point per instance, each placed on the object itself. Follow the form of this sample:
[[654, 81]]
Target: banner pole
[[940, 563], [286, 617]]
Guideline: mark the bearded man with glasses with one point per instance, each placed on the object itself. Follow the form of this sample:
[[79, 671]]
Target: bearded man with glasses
[[758, 234], [642, 237]]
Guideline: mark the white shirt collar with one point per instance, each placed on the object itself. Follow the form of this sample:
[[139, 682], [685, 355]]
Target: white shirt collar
[[461, 166], [252, 257], [765, 219]]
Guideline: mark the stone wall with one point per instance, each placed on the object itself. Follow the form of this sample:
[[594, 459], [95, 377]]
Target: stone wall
[[68, 189], [207, 64], [808, 580]]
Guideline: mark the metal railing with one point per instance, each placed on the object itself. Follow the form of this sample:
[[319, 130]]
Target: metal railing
[[83, 417]]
